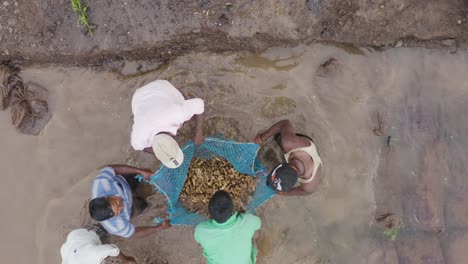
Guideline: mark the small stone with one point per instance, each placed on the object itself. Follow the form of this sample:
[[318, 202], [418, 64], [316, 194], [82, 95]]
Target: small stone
[[10, 30], [382, 6], [6, 52], [459, 21], [11, 21], [16, 3], [399, 44], [449, 42], [6, 3], [16, 11], [58, 22]]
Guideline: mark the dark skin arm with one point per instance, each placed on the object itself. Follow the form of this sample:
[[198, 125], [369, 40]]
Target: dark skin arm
[[149, 150], [143, 231], [289, 139], [198, 138], [129, 170], [125, 259], [299, 191]]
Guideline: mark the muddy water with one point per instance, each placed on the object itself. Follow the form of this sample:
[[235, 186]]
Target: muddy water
[[417, 174]]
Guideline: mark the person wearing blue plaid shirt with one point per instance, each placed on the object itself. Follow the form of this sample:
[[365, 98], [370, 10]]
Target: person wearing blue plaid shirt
[[113, 198]]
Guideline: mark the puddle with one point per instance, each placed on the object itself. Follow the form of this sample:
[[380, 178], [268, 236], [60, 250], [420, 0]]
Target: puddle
[[419, 93], [347, 47], [256, 61]]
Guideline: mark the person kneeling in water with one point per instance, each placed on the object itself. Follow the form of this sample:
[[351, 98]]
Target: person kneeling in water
[[301, 161]]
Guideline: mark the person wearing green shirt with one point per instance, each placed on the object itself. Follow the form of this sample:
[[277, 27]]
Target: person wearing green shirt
[[227, 237]]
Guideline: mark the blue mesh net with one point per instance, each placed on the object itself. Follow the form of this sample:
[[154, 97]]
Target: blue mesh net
[[243, 156]]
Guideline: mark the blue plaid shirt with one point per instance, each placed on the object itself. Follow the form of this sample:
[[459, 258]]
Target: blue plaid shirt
[[108, 184]]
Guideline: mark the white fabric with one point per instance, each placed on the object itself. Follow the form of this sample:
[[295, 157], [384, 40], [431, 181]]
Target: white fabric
[[167, 150], [85, 247], [160, 107], [312, 151]]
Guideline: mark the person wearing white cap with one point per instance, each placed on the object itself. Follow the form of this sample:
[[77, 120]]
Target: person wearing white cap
[[159, 110], [84, 246]]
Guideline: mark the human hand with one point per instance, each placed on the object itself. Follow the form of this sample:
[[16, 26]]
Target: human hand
[[198, 139], [146, 174], [258, 139], [166, 224], [129, 260]]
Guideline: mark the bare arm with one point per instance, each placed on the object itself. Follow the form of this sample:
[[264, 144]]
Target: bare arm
[[296, 191], [198, 138], [284, 127], [126, 259], [149, 150], [129, 170], [143, 231]]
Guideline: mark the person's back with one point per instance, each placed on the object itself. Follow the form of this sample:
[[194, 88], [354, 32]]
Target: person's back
[[229, 238]]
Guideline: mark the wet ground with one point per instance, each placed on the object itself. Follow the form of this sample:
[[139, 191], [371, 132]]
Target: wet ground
[[412, 175]]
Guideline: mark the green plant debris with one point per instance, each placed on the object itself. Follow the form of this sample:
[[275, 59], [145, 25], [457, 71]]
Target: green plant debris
[[81, 11], [393, 232], [390, 141]]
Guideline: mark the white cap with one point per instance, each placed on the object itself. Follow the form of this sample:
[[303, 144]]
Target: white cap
[[167, 150], [84, 247]]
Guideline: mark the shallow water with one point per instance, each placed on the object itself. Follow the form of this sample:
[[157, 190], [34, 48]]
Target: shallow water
[[419, 93]]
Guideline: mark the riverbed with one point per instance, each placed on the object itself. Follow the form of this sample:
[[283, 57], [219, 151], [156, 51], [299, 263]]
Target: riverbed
[[333, 93]]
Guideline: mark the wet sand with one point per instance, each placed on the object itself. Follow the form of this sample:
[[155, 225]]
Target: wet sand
[[419, 93]]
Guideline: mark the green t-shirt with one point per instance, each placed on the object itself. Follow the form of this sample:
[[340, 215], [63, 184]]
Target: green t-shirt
[[229, 242]]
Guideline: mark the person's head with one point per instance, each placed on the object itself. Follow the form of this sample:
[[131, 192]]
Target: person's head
[[221, 207], [167, 150], [283, 177], [104, 208]]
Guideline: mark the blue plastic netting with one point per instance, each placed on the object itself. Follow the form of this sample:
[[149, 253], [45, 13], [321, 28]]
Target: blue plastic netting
[[243, 156]]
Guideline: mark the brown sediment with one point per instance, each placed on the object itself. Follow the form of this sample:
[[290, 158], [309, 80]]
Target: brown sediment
[[328, 67], [388, 220], [420, 249], [92, 124], [426, 207], [29, 108], [10, 79], [206, 176], [24, 105], [380, 129]]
